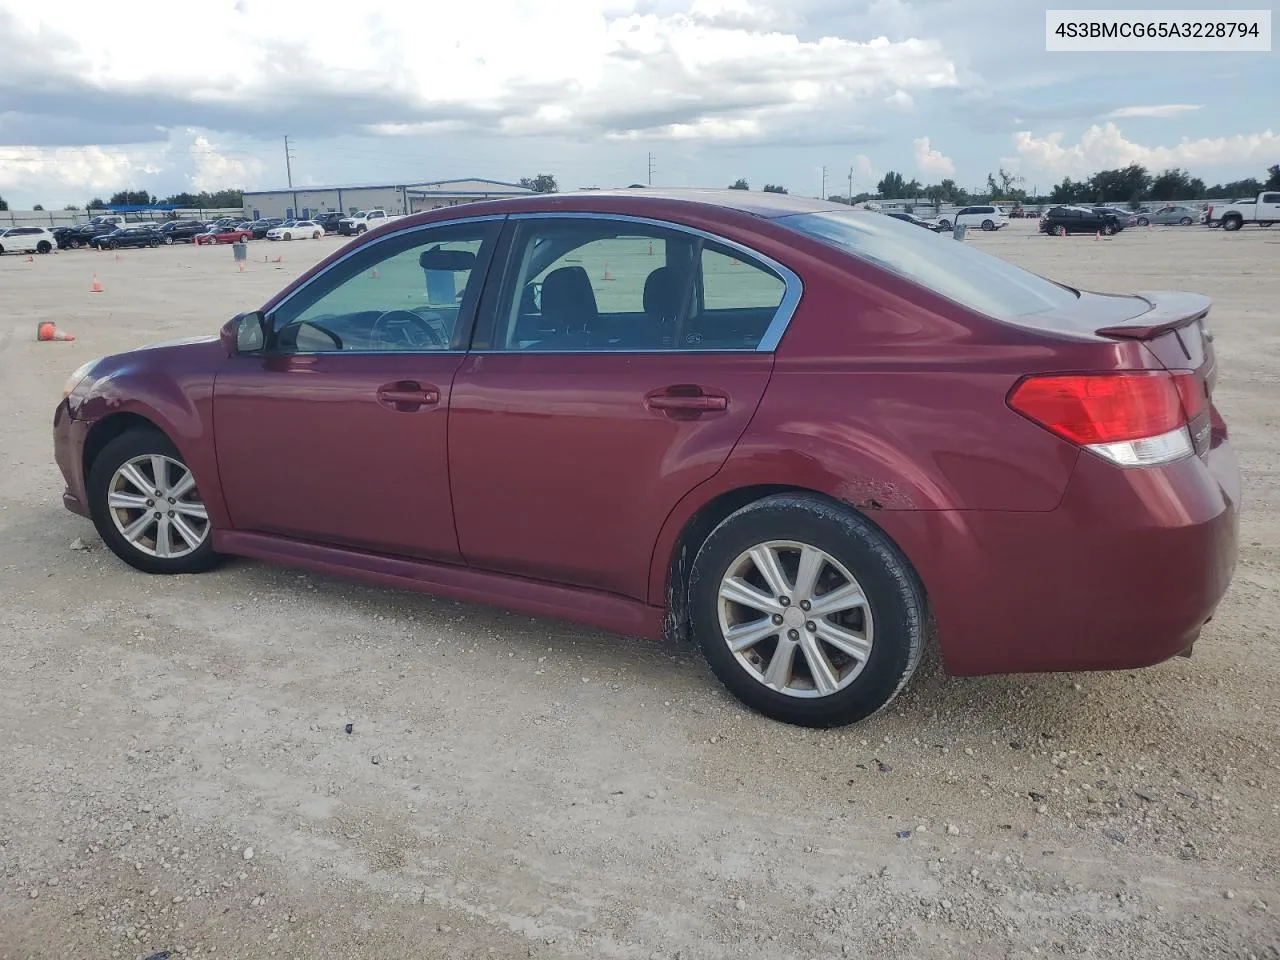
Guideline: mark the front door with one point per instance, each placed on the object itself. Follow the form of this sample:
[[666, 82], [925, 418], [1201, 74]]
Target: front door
[[614, 370], [336, 433]]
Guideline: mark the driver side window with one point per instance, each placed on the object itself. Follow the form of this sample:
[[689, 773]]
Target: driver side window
[[412, 292]]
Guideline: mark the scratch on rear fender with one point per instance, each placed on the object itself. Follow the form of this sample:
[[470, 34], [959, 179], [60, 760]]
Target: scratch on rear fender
[[866, 494]]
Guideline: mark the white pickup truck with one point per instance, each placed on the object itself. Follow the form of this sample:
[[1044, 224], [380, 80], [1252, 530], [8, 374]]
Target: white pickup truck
[[1264, 211], [358, 223]]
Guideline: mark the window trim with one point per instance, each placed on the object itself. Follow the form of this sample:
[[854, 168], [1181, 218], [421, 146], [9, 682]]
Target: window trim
[[485, 266], [792, 292]]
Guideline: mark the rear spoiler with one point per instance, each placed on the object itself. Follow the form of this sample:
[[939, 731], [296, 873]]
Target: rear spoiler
[[1169, 311]]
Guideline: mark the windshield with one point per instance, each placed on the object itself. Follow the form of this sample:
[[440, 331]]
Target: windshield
[[947, 267]]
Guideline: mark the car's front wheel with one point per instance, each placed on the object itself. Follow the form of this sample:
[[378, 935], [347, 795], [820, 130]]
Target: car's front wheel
[[1144, 222], [988, 225], [146, 505], [944, 224], [1185, 221], [806, 612], [168, 239], [44, 246]]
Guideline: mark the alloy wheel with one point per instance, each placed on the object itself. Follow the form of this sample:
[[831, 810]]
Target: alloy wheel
[[795, 618], [156, 507]]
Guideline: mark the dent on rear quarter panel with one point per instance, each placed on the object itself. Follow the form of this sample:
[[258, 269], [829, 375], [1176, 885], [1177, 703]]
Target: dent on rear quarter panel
[[173, 388]]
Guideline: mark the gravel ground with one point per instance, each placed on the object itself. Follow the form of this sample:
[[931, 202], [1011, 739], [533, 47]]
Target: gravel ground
[[177, 777]]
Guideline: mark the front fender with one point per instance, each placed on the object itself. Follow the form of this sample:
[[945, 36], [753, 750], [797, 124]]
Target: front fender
[[179, 402]]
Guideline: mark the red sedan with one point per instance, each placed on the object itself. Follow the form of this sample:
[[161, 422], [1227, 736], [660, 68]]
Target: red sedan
[[797, 433], [223, 235]]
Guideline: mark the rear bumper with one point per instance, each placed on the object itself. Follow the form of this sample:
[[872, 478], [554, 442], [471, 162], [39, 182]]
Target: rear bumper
[[1122, 574], [68, 450]]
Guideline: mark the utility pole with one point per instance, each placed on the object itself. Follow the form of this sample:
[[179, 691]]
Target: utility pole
[[288, 157], [850, 196], [824, 183], [651, 169]]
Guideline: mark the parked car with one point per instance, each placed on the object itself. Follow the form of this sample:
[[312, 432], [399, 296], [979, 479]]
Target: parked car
[[182, 231], [1060, 221], [1264, 210], [807, 499], [261, 226], [364, 220], [915, 221], [222, 235], [1126, 218], [136, 236], [84, 234], [1173, 214], [296, 229], [329, 221], [27, 240], [984, 217], [64, 237]]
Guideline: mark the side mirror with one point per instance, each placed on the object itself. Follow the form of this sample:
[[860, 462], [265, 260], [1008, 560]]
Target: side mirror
[[245, 333]]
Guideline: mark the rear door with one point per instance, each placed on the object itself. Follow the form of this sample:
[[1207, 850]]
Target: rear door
[[1269, 207], [614, 370]]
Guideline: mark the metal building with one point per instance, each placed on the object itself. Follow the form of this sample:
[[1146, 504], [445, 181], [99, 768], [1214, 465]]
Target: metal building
[[395, 198]]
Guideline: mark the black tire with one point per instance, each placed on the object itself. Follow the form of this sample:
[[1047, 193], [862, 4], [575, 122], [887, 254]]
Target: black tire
[[1185, 221], [1144, 222], [1059, 230], [44, 246], [1232, 223], [1, 249], [944, 224], [1108, 229], [894, 594], [988, 225], [168, 239], [122, 449], [361, 229], [113, 245]]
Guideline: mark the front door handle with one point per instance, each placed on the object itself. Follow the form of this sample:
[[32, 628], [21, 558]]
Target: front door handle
[[407, 396], [685, 402]]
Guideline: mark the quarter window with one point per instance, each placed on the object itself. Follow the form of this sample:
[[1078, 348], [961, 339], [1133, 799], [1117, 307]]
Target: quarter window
[[413, 292], [615, 286]]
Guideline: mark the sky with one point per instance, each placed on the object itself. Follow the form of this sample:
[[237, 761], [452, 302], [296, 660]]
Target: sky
[[199, 94]]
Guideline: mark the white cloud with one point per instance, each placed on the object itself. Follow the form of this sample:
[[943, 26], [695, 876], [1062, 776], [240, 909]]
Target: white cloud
[[720, 69], [212, 170], [1105, 147], [932, 162], [901, 99], [1158, 111]]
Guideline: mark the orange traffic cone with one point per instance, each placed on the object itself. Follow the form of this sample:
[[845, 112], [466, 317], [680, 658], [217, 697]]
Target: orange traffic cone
[[374, 274], [607, 274], [47, 331], [30, 258], [278, 259], [95, 287], [1098, 235]]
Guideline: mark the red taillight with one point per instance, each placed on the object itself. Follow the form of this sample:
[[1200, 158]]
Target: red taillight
[[1098, 408]]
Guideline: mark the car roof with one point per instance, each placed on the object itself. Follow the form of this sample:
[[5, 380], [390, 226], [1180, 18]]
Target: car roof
[[648, 201]]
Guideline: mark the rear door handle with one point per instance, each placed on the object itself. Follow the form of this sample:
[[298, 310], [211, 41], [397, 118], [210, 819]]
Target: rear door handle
[[407, 396], [685, 402], [664, 401]]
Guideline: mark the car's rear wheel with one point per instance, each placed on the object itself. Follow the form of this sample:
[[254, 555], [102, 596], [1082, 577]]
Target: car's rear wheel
[[944, 224], [113, 245], [316, 235], [1232, 223], [1185, 221], [44, 246], [1144, 222], [1108, 229], [806, 612], [988, 225], [146, 505]]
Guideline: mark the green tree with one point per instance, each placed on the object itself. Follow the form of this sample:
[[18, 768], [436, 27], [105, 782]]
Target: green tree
[[131, 198], [542, 183], [1273, 177], [3, 204], [38, 206], [891, 186], [740, 184], [912, 188], [1173, 184], [70, 206], [1131, 183], [97, 203], [774, 188], [1069, 191]]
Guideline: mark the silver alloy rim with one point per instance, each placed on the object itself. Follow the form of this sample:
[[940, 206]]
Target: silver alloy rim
[[784, 598], [155, 505]]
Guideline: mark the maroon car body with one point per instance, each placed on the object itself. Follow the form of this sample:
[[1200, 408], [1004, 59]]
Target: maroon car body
[[551, 482]]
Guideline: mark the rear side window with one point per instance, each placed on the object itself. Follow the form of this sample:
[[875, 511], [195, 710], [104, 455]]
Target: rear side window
[[959, 272], [1271, 198]]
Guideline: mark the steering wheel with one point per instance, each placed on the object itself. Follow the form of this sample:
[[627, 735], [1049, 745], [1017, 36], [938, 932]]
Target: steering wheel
[[434, 333]]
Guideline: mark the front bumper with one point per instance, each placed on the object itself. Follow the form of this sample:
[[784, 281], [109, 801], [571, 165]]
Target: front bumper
[[1123, 574], [69, 437]]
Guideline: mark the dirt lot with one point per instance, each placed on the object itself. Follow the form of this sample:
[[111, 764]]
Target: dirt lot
[[175, 775]]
